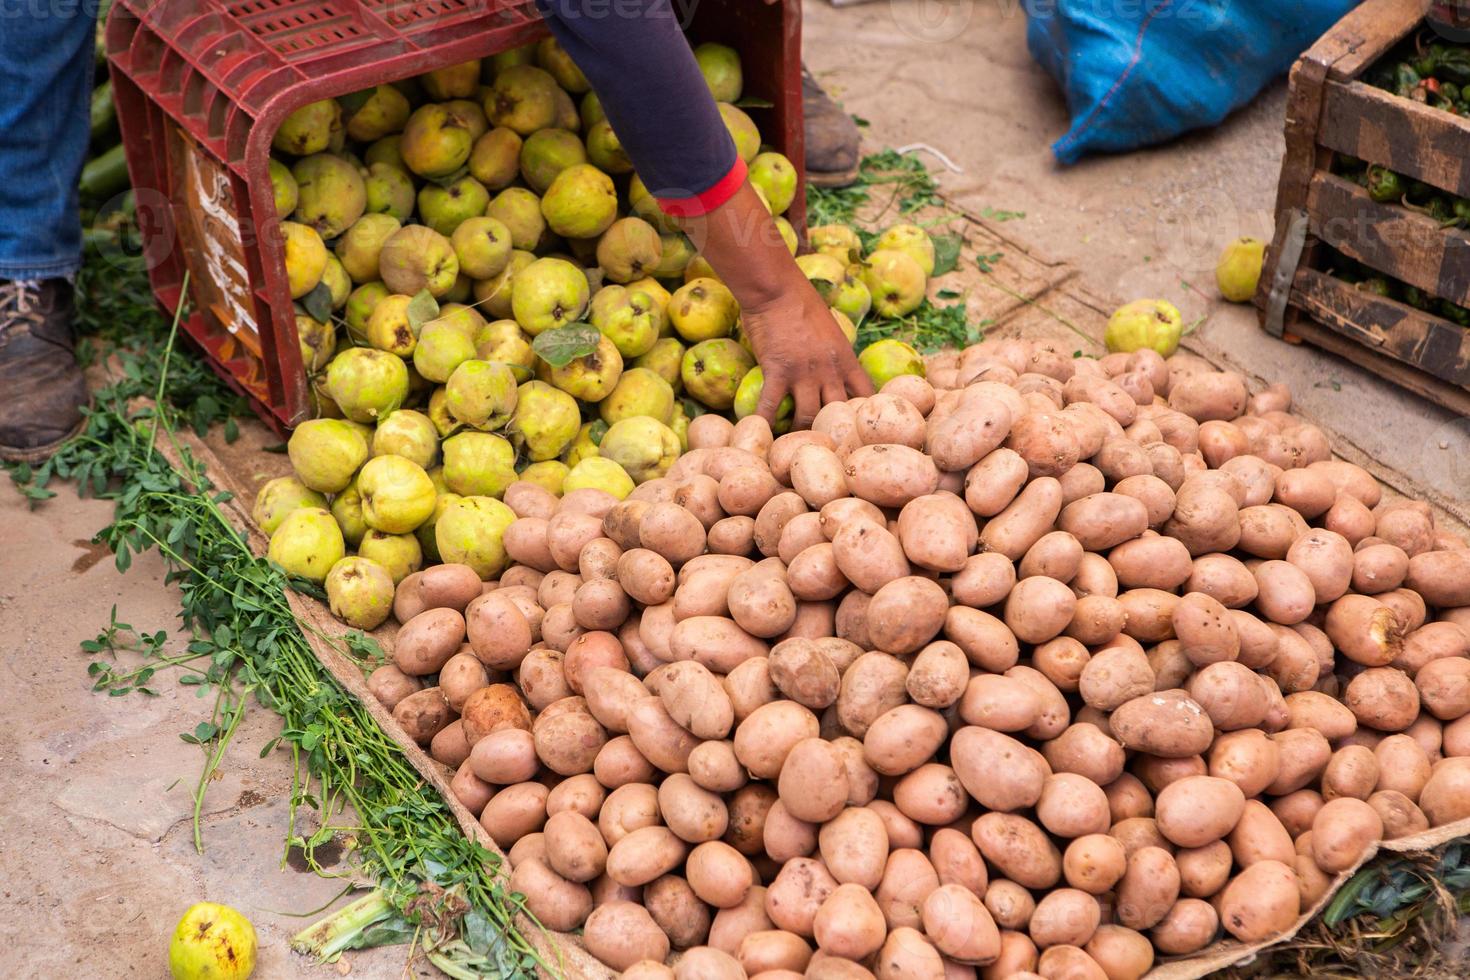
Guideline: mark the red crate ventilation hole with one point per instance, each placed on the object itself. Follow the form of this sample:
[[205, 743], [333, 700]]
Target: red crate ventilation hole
[[202, 85]]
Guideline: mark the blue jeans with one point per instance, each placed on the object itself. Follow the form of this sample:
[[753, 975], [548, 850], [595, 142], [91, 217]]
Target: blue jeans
[[46, 61]]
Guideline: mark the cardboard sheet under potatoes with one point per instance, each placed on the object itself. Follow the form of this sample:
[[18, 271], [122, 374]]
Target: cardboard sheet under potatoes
[[1026, 296]]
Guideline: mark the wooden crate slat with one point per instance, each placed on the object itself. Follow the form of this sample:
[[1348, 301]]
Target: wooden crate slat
[[1408, 137], [1390, 238], [1363, 34], [1410, 378], [1432, 344]]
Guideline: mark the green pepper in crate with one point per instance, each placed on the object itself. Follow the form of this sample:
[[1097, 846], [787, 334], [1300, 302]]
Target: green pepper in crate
[[1452, 64], [1453, 312], [1417, 298], [1377, 285], [1405, 80], [1384, 185]]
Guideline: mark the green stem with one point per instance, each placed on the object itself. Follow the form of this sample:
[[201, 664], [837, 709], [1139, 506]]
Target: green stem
[[168, 350], [212, 761], [328, 937]]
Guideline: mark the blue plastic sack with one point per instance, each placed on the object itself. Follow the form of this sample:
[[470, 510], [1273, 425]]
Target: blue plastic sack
[[1137, 72]]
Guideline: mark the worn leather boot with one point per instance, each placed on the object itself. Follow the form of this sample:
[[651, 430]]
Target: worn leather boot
[[832, 137], [42, 390]]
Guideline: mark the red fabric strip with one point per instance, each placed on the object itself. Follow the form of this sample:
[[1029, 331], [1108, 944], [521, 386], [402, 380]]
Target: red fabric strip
[[703, 203]]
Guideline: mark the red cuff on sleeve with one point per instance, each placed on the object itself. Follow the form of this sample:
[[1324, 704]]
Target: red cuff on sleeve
[[718, 193]]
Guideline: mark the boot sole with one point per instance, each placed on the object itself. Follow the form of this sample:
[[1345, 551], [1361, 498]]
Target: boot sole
[[39, 454]]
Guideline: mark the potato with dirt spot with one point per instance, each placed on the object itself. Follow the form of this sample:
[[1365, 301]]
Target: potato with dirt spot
[[1094, 863], [889, 475], [505, 757], [423, 714], [1148, 889], [1039, 608], [813, 781], [764, 738], [660, 739], [906, 613], [677, 910], [1045, 441], [937, 531], [1190, 926], [696, 700], [1444, 687], [574, 847], [428, 640], [903, 738], [514, 812], [849, 923], [643, 855], [1446, 796], [1198, 810], [868, 555], [1114, 676], [1383, 698], [1072, 806], [714, 641], [998, 703], [390, 685], [1024, 520], [1019, 849], [1205, 630], [802, 671], [693, 813], [1103, 520], [1151, 561], [1206, 518], [1167, 723], [938, 676], [1261, 902], [1000, 772], [797, 892], [622, 933], [960, 926]]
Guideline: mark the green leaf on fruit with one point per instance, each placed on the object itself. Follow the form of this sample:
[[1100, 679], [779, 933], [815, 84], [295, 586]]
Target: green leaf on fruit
[[318, 303], [754, 102], [520, 372], [563, 345], [693, 409], [946, 252], [596, 431], [824, 288], [354, 101], [421, 309]]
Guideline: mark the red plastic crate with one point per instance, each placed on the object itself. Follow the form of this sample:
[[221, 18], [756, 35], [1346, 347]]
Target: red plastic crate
[[202, 85]]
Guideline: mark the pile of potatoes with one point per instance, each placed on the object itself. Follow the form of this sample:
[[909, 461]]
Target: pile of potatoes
[[1045, 665]]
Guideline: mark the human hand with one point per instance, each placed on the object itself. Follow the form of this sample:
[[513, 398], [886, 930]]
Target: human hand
[[803, 353]]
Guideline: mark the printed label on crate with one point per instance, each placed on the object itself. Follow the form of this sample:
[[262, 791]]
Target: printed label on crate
[[213, 243]]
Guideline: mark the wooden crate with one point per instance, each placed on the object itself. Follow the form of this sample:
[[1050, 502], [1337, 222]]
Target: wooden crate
[[1330, 111]]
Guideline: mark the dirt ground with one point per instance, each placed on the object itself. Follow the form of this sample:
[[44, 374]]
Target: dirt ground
[[96, 794]]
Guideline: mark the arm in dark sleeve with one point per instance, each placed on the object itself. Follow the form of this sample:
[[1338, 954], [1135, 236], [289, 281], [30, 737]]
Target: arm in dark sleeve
[[651, 89]]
